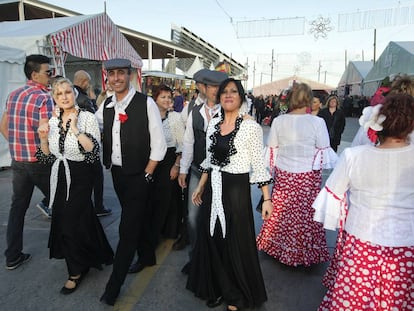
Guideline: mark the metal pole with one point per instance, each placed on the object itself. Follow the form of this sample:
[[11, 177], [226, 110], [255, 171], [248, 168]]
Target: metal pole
[[319, 71], [375, 45], [271, 67], [254, 73]]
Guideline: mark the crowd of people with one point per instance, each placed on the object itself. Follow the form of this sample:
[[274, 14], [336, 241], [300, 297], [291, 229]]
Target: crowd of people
[[183, 171]]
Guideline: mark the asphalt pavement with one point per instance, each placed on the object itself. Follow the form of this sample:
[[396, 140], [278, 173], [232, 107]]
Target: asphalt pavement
[[36, 284]]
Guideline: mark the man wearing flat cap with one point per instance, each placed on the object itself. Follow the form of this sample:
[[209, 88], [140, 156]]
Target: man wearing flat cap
[[194, 144], [133, 144]]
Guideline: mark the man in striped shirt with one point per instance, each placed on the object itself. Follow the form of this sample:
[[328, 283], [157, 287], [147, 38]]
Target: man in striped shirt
[[26, 108]]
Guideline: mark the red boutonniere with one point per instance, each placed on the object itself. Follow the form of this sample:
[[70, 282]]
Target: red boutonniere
[[123, 117]]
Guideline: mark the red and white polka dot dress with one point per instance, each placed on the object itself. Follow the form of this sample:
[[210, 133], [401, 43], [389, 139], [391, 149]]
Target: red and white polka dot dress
[[371, 277], [291, 235]]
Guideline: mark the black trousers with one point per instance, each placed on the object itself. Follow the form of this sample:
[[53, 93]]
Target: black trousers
[[134, 228]]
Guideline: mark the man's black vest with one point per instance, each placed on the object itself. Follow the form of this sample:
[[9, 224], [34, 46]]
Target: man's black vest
[[135, 137], [199, 148]]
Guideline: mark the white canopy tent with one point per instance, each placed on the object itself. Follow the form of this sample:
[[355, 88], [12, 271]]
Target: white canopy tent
[[351, 82], [397, 58], [77, 42], [84, 37], [11, 77]]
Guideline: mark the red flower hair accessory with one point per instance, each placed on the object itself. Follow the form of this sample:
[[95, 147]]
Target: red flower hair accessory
[[123, 117], [372, 121]]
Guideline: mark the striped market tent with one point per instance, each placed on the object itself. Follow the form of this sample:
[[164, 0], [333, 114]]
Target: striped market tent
[[92, 37]]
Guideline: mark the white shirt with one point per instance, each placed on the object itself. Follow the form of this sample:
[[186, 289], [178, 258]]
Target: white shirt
[[188, 142], [174, 131], [381, 195], [158, 145], [299, 143], [184, 113]]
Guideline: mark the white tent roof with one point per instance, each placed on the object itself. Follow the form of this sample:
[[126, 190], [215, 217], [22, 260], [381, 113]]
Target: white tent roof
[[276, 87], [195, 66], [93, 37], [398, 57], [12, 55], [355, 72]]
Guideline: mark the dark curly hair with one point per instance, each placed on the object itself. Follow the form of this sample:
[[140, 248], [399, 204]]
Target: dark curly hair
[[399, 112]]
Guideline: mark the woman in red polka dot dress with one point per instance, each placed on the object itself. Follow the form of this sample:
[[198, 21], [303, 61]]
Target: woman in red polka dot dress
[[297, 150], [373, 265]]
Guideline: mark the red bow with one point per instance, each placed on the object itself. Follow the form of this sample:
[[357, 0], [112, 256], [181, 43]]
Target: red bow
[[123, 117], [372, 135]]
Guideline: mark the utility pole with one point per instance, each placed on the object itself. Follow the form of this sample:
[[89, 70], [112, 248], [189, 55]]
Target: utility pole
[[247, 73], [375, 45], [319, 71], [346, 59], [254, 73], [271, 67], [324, 80], [261, 77]]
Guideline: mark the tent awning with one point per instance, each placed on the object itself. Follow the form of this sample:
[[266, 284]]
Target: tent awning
[[93, 37]]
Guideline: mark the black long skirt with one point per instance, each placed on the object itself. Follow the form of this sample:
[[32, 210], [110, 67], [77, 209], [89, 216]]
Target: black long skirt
[[76, 233], [228, 267], [167, 208]]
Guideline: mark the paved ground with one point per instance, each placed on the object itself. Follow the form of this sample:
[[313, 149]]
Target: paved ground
[[36, 285]]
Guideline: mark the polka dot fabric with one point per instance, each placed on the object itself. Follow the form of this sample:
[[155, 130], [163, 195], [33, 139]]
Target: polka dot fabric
[[372, 277], [290, 235]]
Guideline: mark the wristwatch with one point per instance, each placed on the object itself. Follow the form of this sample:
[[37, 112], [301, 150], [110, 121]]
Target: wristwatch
[[148, 178]]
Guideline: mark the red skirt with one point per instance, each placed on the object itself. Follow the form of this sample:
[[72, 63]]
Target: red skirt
[[370, 277], [291, 235]]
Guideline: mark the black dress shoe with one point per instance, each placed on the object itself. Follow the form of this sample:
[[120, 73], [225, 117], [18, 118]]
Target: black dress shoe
[[108, 300], [139, 266], [66, 291], [212, 303]]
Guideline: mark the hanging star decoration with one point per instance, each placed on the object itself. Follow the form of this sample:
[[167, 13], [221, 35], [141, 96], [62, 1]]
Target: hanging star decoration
[[320, 27]]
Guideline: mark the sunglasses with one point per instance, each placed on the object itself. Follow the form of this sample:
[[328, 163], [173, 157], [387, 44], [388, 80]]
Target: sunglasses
[[49, 72]]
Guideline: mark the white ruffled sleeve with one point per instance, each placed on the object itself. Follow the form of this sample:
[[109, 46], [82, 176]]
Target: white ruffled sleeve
[[271, 149], [325, 157], [328, 208], [259, 173], [331, 203]]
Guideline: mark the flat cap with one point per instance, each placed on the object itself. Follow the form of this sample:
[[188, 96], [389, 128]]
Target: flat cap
[[117, 63], [214, 77], [199, 75]]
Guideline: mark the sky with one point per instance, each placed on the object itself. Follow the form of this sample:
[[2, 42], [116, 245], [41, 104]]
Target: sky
[[223, 23]]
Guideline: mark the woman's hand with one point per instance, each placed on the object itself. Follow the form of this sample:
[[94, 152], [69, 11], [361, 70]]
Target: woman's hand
[[174, 171], [43, 131], [73, 117], [267, 209], [196, 196]]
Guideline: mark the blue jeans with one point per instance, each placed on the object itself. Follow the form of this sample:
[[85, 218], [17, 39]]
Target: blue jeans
[[25, 176]]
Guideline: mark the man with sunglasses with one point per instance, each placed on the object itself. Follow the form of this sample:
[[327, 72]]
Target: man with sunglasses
[[26, 109]]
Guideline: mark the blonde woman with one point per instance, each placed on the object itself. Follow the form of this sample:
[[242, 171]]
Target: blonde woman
[[69, 141]]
